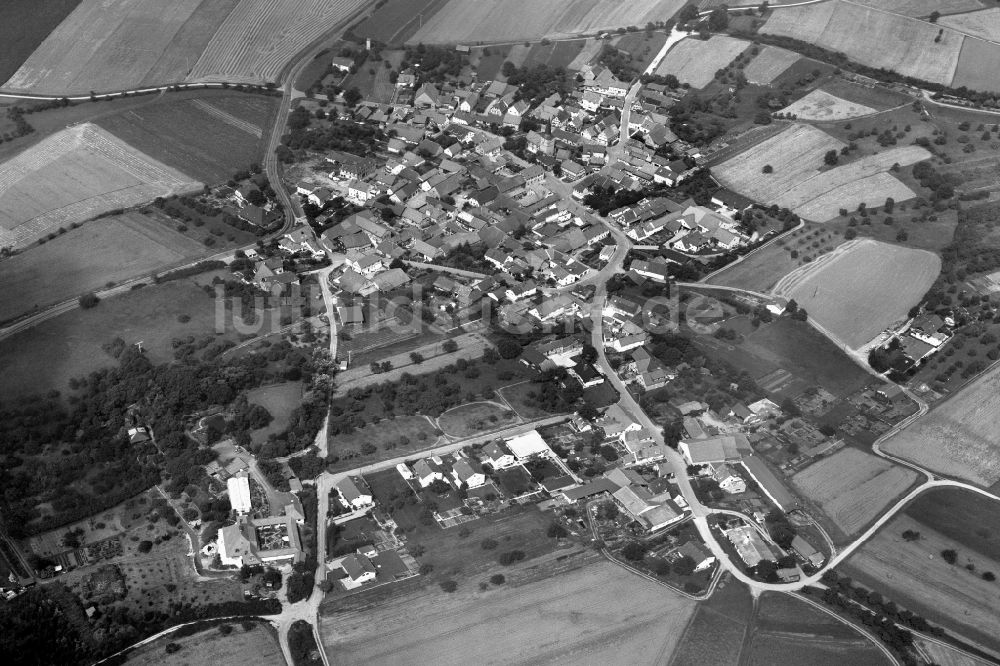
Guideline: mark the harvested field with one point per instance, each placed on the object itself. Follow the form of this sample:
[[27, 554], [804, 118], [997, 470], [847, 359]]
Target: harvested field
[[695, 61], [761, 270], [596, 614], [509, 20], [24, 24], [922, 7], [716, 634], [853, 487], [958, 437], [977, 65], [74, 175], [767, 649], [985, 23], [865, 180], [861, 288], [259, 37], [822, 106], [211, 648], [769, 64], [905, 45], [591, 49], [210, 139], [796, 154], [476, 417], [943, 655], [396, 20], [870, 190], [914, 575], [114, 44], [554, 54], [112, 249]]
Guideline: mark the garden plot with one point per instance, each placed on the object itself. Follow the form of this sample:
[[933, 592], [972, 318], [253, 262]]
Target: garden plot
[[958, 437], [795, 155], [873, 37], [260, 36], [769, 64], [695, 61], [820, 105], [508, 20], [114, 44], [74, 175], [861, 288], [852, 487]]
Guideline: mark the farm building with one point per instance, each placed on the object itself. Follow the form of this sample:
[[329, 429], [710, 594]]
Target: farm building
[[260, 541], [528, 445], [239, 493], [805, 550], [749, 544], [769, 483], [719, 449]]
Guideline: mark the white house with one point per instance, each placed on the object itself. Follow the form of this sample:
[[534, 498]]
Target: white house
[[728, 479], [468, 472], [355, 492], [358, 570], [498, 456], [428, 470]]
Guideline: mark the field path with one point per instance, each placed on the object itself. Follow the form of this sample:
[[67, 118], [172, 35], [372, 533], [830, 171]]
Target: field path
[[228, 118]]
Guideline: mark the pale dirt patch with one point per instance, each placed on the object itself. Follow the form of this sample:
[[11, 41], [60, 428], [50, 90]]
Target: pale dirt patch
[[821, 105]]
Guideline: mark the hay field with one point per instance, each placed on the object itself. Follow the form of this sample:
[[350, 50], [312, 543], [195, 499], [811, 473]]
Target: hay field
[[977, 66], [509, 20], [871, 190], [922, 7], [114, 44], [865, 180], [769, 65], [260, 36], [861, 288], [695, 61], [821, 105], [74, 175], [209, 138], [796, 154], [210, 648], [112, 249], [985, 23], [959, 436], [596, 614], [853, 487], [914, 575], [873, 37]]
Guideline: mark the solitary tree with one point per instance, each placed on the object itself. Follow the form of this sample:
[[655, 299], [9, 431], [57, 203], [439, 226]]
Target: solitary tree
[[830, 159]]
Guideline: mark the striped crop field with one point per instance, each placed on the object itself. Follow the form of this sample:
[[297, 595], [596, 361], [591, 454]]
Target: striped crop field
[[259, 37]]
